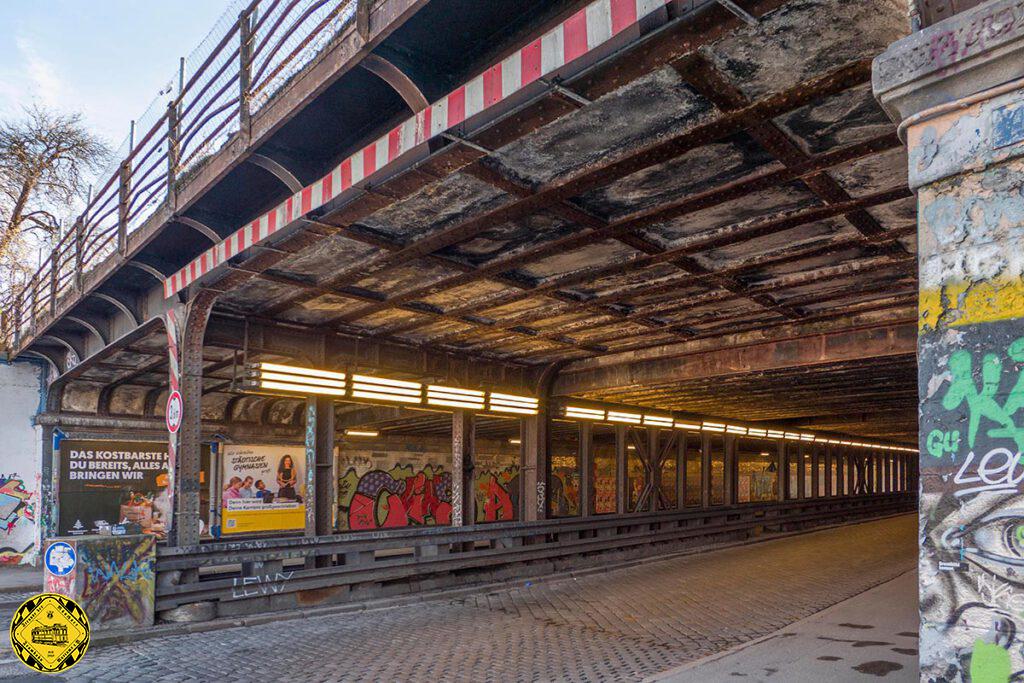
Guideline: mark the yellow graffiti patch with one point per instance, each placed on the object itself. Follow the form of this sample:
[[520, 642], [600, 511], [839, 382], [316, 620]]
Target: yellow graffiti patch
[[970, 303]]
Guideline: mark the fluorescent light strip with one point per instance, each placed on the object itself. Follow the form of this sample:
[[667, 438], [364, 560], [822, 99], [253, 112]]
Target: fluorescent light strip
[[377, 396], [757, 432], [713, 426], [773, 434], [687, 425], [733, 429], [630, 418], [293, 370], [282, 377], [361, 432], [515, 442], [807, 437], [511, 399], [436, 388], [511, 409], [408, 389], [453, 404], [657, 420], [300, 388], [385, 381], [792, 437], [584, 413]]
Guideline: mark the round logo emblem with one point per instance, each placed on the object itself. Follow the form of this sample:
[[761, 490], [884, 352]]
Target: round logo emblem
[[60, 558], [50, 633], [173, 412]]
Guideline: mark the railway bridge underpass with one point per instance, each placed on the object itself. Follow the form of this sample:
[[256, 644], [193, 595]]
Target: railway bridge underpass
[[579, 281]]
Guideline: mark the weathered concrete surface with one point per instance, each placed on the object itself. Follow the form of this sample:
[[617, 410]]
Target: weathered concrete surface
[[870, 636], [965, 159], [22, 390]]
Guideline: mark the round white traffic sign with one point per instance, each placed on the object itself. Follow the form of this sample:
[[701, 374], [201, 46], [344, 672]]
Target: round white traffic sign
[[173, 412]]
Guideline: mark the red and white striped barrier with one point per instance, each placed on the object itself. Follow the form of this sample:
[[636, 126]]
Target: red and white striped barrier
[[579, 35]]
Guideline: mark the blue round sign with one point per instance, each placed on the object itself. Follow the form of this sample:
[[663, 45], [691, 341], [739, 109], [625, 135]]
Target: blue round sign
[[60, 558]]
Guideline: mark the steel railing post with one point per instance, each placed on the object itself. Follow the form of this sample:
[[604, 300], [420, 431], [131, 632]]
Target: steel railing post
[[54, 268], [124, 189], [245, 25], [79, 256]]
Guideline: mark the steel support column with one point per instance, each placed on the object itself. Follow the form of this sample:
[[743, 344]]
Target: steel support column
[[621, 488], [320, 479], [186, 327], [586, 451], [781, 469], [533, 469], [463, 448]]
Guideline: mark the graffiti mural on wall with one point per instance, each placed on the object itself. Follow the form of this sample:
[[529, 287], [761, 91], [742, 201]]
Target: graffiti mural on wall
[[116, 580], [497, 495], [17, 519], [400, 496], [972, 507]]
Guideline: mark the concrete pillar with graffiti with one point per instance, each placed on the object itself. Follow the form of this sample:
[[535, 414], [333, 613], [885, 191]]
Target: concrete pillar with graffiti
[[957, 89]]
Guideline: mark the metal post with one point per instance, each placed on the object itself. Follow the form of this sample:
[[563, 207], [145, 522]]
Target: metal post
[[534, 469], [363, 19], [186, 327], [654, 468], [54, 269], [463, 498], [801, 475], [815, 457], [79, 229], [173, 151], [681, 471], [586, 462], [729, 470], [782, 474], [621, 488], [123, 192], [320, 479], [245, 25], [705, 470]]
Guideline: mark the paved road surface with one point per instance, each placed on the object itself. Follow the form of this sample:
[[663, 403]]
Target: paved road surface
[[622, 625]]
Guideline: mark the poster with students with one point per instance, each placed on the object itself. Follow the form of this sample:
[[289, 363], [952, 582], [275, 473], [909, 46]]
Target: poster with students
[[264, 489], [106, 483]]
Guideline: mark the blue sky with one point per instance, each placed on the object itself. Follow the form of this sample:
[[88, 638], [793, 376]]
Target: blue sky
[[107, 59]]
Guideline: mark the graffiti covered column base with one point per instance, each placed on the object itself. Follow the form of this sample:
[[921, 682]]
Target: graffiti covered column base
[[958, 90]]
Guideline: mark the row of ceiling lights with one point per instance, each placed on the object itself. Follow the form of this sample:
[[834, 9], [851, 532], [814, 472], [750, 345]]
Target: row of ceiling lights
[[575, 412], [288, 379]]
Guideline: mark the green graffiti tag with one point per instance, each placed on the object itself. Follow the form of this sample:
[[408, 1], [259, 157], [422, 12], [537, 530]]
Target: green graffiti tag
[[982, 403], [939, 442]]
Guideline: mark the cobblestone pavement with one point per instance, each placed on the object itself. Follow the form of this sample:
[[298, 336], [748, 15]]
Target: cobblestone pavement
[[620, 625]]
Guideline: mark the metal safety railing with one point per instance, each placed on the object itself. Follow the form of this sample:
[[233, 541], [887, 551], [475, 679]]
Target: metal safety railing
[[255, 49], [308, 570]]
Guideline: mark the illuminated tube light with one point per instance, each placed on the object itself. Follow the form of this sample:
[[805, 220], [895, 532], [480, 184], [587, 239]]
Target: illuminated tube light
[[295, 379], [733, 429], [629, 418], [846, 443], [455, 398], [302, 372], [687, 425], [657, 421], [361, 432], [792, 437], [807, 437], [510, 403], [713, 426], [515, 442], [773, 434], [582, 413], [385, 389], [757, 432], [298, 388]]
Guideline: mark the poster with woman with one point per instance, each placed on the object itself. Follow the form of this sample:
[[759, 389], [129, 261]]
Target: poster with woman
[[264, 489]]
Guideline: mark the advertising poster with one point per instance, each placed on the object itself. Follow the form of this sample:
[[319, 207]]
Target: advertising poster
[[103, 483], [264, 489]]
